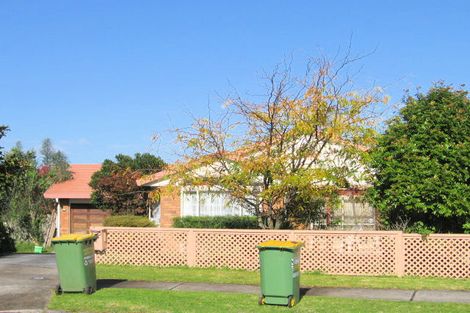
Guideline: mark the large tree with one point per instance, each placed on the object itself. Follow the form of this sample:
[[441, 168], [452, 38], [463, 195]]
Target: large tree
[[3, 176], [422, 163], [54, 162], [26, 209], [3, 130], [23, 207], [281, 157], [115, 187], [6, 242]]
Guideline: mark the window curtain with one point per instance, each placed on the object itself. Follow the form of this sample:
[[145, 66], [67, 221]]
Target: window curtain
[[209, 203]]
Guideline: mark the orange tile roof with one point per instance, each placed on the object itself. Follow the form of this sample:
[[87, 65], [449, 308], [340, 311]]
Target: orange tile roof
[[77, 187], [152, 177]]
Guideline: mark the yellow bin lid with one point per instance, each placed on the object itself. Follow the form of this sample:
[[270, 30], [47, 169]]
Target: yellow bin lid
[[279, 244], [74, 238]]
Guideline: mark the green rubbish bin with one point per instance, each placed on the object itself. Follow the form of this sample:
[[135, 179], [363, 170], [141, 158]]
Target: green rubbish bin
[[75, 258], [280, 272]]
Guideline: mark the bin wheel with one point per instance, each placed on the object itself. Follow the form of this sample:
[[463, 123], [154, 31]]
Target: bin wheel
[[88, 290], [290, 301], [261, 300], [58, 290]]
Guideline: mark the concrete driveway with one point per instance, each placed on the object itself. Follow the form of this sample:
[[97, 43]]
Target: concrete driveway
[[26, 281]]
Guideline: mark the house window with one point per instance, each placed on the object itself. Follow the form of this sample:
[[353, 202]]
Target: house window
[[355, 213], [190, 204], [209, 203]]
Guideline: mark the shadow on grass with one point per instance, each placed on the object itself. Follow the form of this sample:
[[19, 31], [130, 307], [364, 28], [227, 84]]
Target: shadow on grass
[[108, 283], [303, 292]]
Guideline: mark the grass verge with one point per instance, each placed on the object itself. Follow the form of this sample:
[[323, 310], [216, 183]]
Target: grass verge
[[139, 300], [185, 274]]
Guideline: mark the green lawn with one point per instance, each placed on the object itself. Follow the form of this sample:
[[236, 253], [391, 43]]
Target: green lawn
[[185, 274], [28, 247], [139, 300]]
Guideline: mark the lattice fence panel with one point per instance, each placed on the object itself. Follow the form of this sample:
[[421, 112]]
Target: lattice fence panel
[[235, 250], [348, 253], [352, 253], [142, 247], [437, 255]]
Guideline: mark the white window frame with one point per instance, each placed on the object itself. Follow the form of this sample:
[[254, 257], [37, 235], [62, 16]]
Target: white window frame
[[197, 191]]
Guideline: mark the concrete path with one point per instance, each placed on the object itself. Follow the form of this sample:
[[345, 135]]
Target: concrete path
[[356, 293], [26, 281]]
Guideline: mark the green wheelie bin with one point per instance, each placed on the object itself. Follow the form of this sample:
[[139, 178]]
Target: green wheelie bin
[[280, 272], [75, 258]]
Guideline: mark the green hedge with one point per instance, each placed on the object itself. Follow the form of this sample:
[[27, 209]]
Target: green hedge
[[228, 222], [128, 221]]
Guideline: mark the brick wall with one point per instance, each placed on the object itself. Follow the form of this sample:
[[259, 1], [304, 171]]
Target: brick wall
[[64, 216], [170, 207]]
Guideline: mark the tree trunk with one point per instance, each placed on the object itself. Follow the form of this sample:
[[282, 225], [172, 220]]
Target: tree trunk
[[50, 229], [260, 222], [270, 222]]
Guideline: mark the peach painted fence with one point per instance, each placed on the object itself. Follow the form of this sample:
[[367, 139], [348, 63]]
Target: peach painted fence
[[333, 252]]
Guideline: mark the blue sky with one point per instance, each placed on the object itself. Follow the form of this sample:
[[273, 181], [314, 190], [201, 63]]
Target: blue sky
[[102, 77]]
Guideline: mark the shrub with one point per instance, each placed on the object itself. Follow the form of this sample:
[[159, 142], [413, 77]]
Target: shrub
[[420, 228], [466, 228], [24, 246], [128, 221], [7, 244], [228, 222]]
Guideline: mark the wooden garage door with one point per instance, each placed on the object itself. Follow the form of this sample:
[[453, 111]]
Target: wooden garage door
[[85, 215]]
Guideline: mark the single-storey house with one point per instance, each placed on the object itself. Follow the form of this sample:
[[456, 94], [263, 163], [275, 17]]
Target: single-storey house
[[75, 212], [354, 213]]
